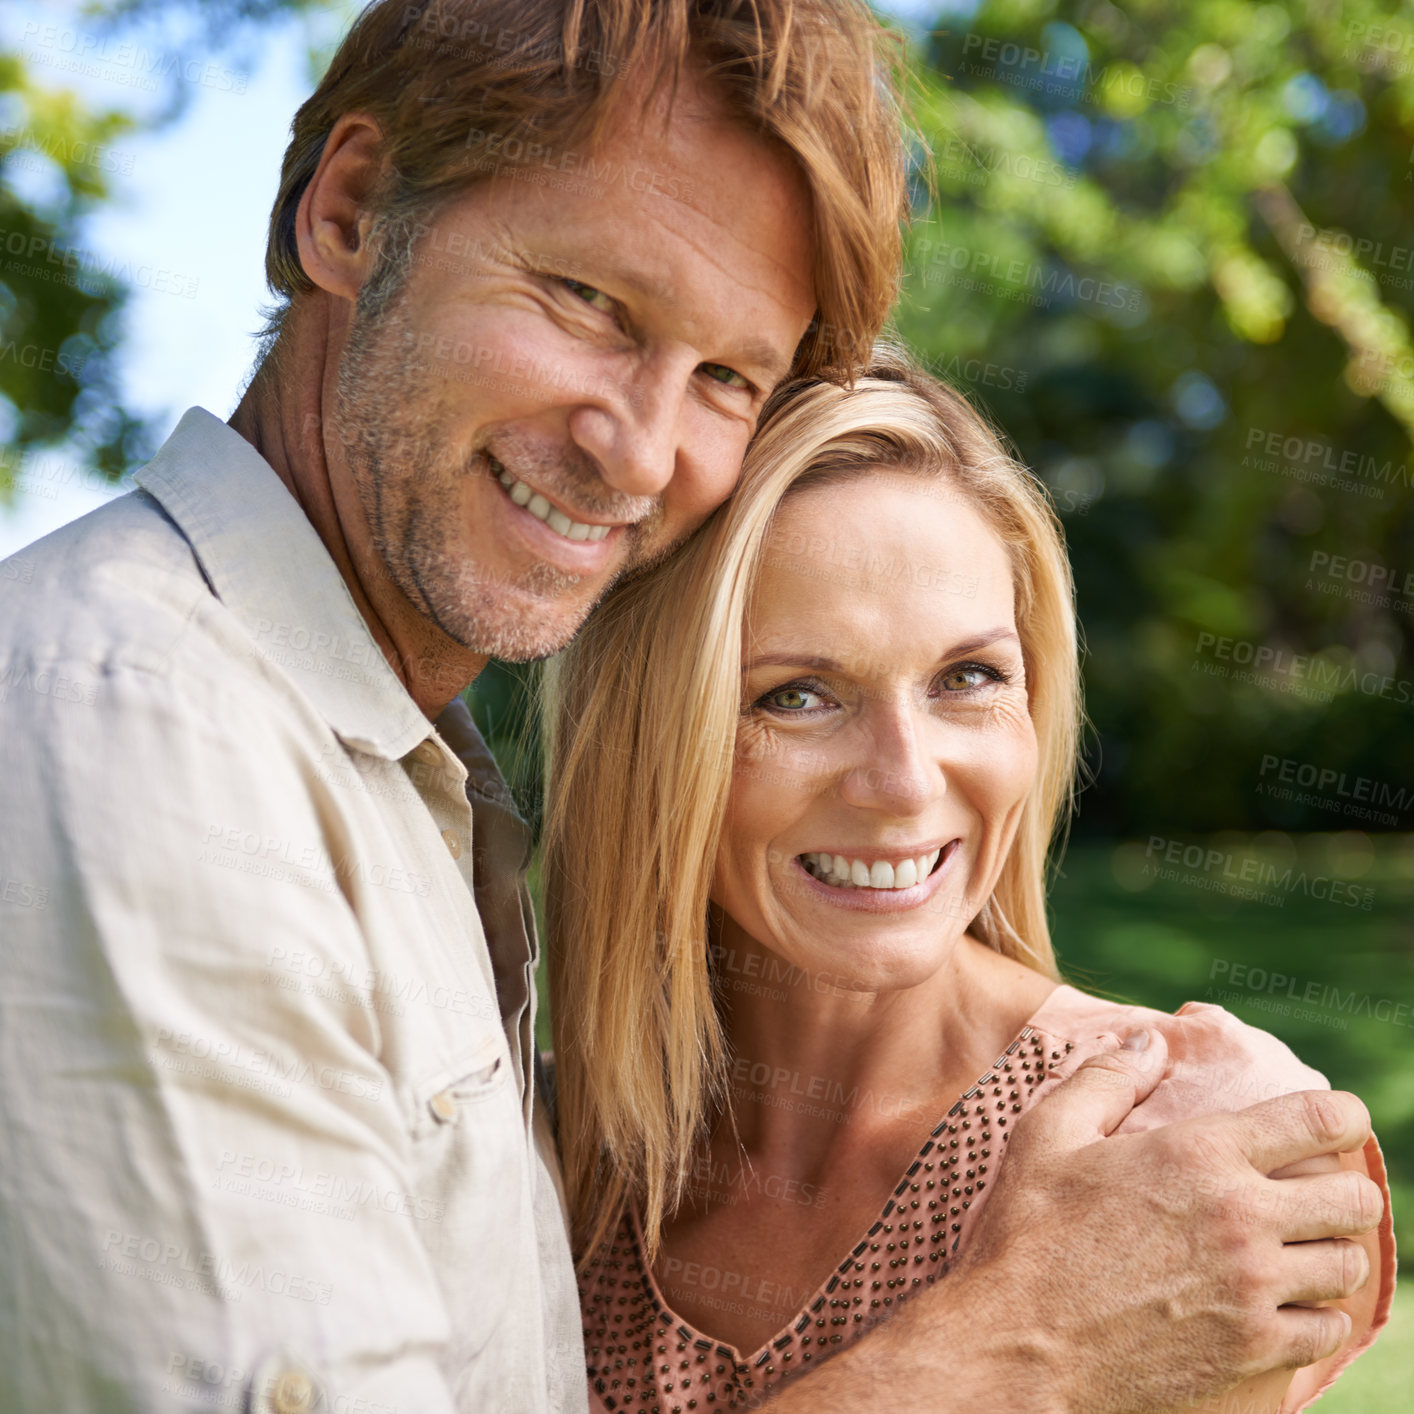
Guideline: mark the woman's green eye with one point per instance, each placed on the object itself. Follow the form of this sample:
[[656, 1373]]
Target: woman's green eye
[[590, 295], [727, 377], [792, 699], [961, 679]]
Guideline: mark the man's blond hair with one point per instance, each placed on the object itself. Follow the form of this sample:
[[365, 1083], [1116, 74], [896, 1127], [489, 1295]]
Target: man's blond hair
[[449, 81]]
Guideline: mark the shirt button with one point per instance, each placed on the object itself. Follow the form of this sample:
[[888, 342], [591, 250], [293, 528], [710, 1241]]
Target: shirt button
[[293, 1393], [443, 1106], [454, 844]]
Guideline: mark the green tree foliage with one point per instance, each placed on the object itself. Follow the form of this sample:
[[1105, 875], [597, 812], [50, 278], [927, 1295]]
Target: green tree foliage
[[59, 301], [1170, 251], [62, 300]]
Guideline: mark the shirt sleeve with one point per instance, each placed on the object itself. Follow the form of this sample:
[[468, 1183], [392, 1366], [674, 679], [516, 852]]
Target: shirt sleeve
[[1219, 1064], [176, 1126]]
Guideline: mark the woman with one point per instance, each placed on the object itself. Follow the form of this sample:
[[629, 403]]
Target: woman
[[827, 747]]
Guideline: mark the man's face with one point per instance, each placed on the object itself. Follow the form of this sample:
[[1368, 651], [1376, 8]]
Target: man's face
[[566, 383]]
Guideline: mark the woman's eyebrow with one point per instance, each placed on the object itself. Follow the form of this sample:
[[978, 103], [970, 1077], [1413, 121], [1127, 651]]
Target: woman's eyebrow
[[983, 640], [830, 665], [792, 660]]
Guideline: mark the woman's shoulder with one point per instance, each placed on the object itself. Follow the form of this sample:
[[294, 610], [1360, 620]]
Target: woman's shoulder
[[1217, 1063]]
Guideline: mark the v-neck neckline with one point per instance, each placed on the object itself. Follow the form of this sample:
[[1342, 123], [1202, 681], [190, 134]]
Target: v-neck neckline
[[804, 1314]]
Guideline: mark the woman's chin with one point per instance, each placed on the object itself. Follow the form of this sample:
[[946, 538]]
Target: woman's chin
[[905, 963]]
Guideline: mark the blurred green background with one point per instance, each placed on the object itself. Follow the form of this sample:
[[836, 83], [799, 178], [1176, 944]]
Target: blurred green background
[[1169, 247]]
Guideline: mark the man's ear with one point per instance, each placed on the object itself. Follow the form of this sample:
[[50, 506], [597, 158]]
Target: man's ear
[[333, 220]]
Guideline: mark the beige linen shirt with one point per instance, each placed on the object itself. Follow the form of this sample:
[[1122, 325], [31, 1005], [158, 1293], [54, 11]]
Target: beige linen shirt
[[269, 1137]]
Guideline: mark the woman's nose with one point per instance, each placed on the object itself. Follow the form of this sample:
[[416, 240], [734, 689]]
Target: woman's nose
[[895, 772]]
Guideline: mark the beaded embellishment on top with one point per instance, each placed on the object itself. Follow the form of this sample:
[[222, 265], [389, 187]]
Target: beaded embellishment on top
[[643, 1359]]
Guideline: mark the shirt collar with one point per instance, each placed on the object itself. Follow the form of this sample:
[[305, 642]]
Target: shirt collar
[[268, 566]]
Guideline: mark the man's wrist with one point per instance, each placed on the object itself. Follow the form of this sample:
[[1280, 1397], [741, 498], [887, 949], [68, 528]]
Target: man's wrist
[[970, 1339]]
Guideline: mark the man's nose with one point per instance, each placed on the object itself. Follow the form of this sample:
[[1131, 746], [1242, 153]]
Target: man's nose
[[636, 432]]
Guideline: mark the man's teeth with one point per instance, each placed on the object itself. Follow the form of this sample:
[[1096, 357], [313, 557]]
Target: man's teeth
[[541, 509], [860, 874]]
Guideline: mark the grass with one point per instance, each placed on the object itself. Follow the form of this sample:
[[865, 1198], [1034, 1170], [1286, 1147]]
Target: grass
[[1124, 930], [1346, 1004]]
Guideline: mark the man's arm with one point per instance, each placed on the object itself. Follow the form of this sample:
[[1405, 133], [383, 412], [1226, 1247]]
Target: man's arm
[[1104, 1279], [193, 1153]]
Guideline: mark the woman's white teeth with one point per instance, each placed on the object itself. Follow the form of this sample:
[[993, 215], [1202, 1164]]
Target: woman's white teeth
[[541, 509], [861, 874]]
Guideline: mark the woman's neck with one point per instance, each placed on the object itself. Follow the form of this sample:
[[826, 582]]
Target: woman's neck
[[833, 1092], [818, 1071]]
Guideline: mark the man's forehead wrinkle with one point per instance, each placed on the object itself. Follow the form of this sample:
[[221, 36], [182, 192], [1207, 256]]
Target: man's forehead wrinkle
[[741, 276], [729, 231], [503, 240]]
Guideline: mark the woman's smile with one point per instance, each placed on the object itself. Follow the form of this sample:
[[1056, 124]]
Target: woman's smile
[[847, 871], [872, 884], [885, 748]]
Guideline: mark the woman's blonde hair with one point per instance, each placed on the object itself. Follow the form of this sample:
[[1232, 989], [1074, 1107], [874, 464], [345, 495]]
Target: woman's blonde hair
[[643, 710]]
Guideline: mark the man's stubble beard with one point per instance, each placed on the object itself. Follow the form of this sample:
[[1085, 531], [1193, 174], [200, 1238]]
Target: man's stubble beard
[[410, 483]]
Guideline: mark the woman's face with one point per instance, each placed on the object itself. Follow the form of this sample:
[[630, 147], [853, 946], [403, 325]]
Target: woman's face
[[885, 748]]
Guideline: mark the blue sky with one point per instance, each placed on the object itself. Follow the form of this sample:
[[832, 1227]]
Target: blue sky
[[194, 201], [191, 199]]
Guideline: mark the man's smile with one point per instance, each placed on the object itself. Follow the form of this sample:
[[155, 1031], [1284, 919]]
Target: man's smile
[[543, 509], [582, 547]]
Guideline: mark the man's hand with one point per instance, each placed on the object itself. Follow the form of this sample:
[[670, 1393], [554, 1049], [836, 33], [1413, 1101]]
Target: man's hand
[[1158, 1269], [1139, 1275]]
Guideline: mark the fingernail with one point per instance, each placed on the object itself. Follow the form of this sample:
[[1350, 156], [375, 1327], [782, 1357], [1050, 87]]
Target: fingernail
[[1137, 1041]]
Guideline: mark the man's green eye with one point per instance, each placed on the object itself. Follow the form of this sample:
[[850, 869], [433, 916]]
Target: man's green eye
[[590, 295], [728, 377]]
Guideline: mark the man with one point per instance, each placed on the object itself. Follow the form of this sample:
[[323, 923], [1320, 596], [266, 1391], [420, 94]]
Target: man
[[271, 1138]]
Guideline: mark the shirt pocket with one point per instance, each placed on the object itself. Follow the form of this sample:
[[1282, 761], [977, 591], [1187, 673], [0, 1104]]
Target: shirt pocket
[[472, 1078], [471, 1150]]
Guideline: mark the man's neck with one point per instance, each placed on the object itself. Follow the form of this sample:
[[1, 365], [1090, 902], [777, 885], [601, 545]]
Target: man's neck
[[285, 416]]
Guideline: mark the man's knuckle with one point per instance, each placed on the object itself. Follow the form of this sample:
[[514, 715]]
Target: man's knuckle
[[1260, 1348], [1348, 1203], [1248, 1290], [1322, 1112], [1206, 1148], [1368, 1201], [1302, 1349], [1247, 1211], [1317, 1339], [1354, 1268], [1169, 1149], [1105, 1071]]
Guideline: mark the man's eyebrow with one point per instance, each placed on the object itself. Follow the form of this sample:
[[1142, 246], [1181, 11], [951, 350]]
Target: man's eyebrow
[[606, 266], [601, 263], [829, 665], [768, 360]]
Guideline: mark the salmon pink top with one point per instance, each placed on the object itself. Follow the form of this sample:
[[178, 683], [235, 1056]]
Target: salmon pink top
[[643, 1357]]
